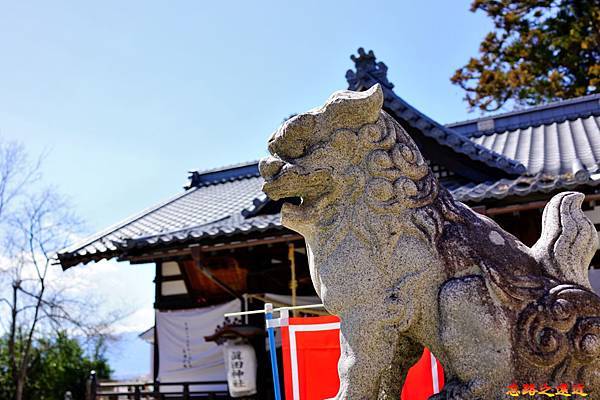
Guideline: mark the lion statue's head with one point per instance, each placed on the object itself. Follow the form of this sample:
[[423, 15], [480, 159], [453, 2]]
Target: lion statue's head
[[348, 156]]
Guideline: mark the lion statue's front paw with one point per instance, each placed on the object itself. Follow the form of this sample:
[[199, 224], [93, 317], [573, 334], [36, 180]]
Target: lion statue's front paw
[[456, 390]]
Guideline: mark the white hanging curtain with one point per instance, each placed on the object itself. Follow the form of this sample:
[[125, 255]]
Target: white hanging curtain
[[184, 355]]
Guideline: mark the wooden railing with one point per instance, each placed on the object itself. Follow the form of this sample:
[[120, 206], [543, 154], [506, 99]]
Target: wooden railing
[[152, 390]]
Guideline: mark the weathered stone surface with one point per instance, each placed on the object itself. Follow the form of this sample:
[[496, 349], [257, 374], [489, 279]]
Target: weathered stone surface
[[405, 266]]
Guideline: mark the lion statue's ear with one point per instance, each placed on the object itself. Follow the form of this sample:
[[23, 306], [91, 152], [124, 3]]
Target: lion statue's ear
[[350, 109]]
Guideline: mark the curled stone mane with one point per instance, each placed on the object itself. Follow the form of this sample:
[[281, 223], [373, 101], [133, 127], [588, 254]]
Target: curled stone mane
[[398, 178]]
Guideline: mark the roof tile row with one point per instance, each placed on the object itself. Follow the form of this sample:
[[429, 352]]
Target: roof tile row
[[554, 149]]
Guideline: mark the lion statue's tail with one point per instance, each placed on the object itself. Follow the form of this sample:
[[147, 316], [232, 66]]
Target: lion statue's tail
[[558, 334], [568, 241], [558, 337]]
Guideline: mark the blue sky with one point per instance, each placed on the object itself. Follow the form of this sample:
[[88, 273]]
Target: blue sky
[[129, 96]]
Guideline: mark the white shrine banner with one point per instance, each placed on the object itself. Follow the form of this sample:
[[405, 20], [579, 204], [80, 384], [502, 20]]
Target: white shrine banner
[[184, 355], [240, 363]]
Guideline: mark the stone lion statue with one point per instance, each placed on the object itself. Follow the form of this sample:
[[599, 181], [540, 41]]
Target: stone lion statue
[[405, 266]]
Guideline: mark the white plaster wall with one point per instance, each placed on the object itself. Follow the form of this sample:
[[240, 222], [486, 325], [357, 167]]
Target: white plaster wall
[[173, 287], [170, 268], [595, 279]]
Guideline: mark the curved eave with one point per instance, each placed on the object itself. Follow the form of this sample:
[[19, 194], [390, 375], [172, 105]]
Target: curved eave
[[204, 235], [68, 260], [520, 187], [127, 250]]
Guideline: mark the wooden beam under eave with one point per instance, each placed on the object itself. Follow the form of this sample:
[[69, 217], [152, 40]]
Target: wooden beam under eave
[[186, 252], [534, 205]]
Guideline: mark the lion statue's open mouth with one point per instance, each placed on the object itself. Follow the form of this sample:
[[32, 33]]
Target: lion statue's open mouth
[[299, 189]]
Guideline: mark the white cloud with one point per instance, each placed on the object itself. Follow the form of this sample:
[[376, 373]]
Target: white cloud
[[138, 321], [118, 286]]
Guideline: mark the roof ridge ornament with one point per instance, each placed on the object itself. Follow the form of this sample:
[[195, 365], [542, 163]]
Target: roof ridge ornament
[[368, 72], [224, 174], [194, 178]]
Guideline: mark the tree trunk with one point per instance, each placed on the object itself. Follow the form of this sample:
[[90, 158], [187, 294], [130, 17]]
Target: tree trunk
[[12, 353], [19, 388]]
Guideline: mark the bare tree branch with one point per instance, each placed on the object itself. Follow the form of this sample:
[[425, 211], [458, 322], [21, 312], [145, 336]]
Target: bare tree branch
[[34, 224]]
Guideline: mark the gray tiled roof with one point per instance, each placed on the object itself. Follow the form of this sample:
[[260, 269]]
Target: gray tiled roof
[[558, 143], [555, 148], [207, 206], [560, 148]]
